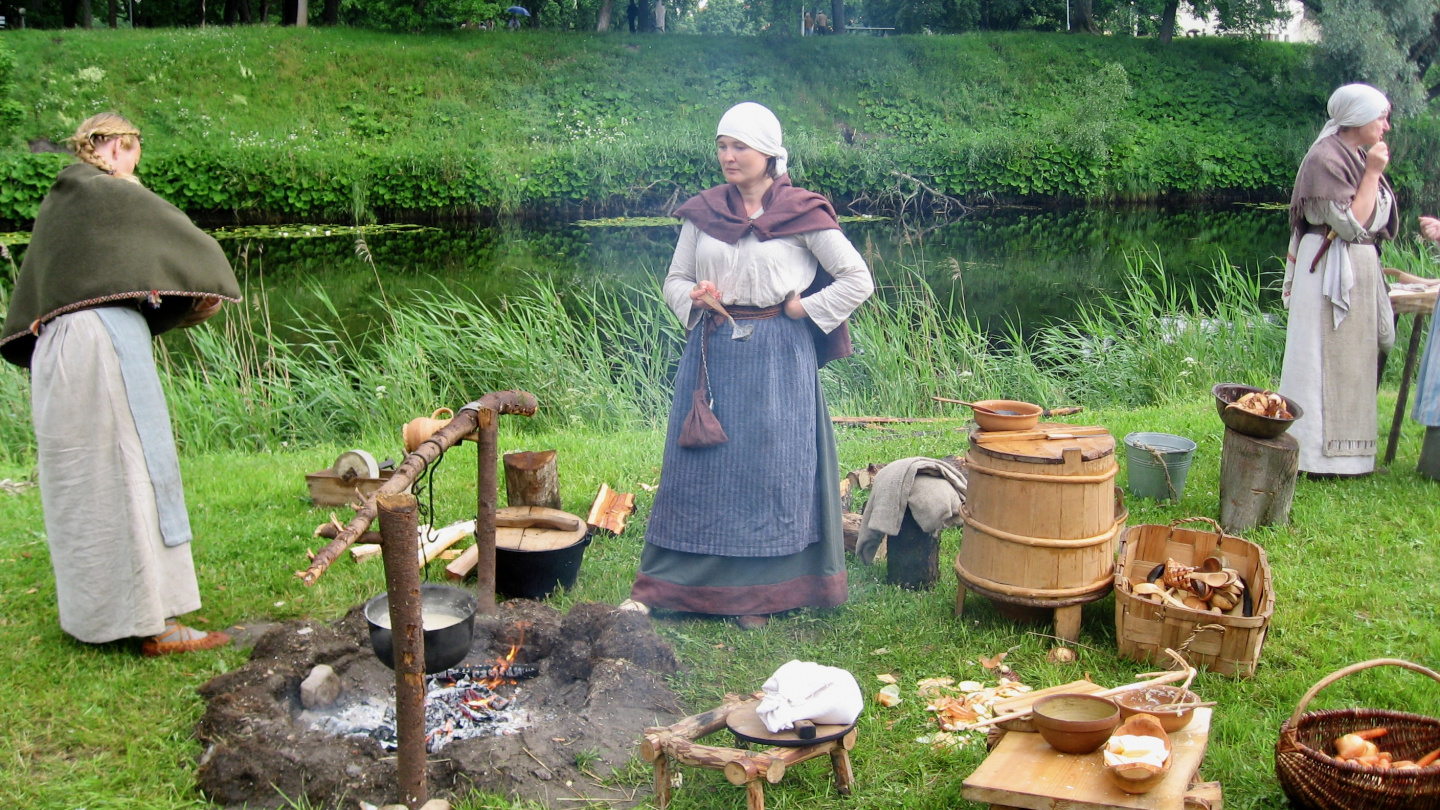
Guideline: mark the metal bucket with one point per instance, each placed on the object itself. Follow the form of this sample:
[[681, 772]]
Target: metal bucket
[[1158, 464]]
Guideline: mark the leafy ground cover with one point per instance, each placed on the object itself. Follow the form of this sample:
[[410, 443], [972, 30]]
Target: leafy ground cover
[[100, 727], [271, 122]]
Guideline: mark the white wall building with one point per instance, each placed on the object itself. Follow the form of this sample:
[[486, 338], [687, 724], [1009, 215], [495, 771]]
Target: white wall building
[[1298, 28]]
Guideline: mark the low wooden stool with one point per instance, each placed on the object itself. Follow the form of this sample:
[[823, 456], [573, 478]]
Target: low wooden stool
[[1257, 480], [667, 746]]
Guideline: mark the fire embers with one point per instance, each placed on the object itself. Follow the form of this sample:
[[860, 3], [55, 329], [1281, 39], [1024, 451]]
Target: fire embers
[[460, 706]]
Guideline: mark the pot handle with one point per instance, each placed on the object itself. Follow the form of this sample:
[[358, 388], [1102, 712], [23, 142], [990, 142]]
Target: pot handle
[[1350, 670], [449, 414]]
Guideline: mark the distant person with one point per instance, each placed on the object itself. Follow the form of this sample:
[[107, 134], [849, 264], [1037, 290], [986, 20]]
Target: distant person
[[632, 14], [822, 25], [659, 16], [1340, 320], [81, 318], [809, 24]]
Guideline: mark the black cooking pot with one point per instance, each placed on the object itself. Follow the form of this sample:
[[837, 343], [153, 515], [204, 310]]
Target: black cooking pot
[[444, 647], [536, 574]]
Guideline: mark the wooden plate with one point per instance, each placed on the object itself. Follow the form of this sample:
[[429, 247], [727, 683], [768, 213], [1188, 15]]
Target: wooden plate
[[748, 727]]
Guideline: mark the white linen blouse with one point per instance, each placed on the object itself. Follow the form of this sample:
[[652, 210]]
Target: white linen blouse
[[753, 273]]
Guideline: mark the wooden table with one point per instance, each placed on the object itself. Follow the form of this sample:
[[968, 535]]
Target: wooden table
[[1023, 771], [1418, 305]]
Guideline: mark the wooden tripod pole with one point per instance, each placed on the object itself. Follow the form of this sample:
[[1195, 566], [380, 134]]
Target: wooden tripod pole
[[399, 530], [487, 492]]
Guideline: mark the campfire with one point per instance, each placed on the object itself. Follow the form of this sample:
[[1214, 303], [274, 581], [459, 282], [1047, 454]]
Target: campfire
[[511, 718]]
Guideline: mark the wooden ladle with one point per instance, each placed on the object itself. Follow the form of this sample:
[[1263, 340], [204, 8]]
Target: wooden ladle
[[980, 408]]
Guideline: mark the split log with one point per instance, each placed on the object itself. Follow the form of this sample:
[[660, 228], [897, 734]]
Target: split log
[[464, 423], [914, 556], [1257, 480], [532, 479], [398, 526], [610, 510], [850, 522]]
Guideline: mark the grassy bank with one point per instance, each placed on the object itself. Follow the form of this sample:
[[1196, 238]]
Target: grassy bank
[[99, 727], [269, 122]]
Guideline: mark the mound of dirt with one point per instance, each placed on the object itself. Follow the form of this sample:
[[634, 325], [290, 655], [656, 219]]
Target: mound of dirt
[[601, 682]]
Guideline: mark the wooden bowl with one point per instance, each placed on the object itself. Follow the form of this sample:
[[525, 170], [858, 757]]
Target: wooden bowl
[[1261, 427], [1141, 777], [1027, 415], [1075, 724], [1152, 699]]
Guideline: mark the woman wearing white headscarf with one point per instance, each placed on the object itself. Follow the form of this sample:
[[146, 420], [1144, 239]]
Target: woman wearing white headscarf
[[1340, 319], [746, 520]]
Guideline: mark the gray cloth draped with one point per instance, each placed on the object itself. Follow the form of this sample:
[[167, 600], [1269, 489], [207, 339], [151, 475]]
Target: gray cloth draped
[[753, 496], [114, 576], [932, 490], [130, 334]]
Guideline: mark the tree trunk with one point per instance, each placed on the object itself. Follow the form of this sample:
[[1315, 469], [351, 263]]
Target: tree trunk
[[245, 12], [532, 479], [913, 560], [69, 12], [332, 12], [302, 13], [87, 16], [837, 16], [1257, 480], [114, 13], [232, 12], [264, 11], [1167, 21], [1084, 16], [603, 23]]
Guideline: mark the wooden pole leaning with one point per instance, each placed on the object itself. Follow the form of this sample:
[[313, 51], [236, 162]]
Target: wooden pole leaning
[[399, 531], [463, 425], [487, 493]]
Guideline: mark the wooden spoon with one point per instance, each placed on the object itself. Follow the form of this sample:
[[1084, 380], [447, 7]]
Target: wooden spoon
[[980, 408]]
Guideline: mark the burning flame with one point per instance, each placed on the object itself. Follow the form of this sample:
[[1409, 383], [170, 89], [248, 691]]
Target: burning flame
[[478, 700]]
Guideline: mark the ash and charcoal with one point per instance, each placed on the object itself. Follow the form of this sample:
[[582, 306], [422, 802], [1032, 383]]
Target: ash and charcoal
[[596, 680], [460, 704]]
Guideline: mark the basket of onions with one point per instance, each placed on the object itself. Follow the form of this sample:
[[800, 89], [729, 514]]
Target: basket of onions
[[1360, 759]]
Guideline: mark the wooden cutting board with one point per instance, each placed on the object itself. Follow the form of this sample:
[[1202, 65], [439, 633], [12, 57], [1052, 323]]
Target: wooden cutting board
[[1025, 772]]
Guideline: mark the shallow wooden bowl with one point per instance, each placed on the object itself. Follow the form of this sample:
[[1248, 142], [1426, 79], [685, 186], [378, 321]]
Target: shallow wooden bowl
[[1141, 777], [1152, 701], [1027, 415], [1261, 427], [1075, 724]]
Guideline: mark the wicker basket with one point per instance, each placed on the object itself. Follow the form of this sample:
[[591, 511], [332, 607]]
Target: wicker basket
[[1315, 780], [1229, 645]]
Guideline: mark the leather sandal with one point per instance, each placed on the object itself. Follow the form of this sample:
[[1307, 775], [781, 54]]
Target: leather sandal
[[157, 645], [754, 622]]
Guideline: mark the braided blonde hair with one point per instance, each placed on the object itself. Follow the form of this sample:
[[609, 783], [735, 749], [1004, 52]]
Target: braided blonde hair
[[98, 129]]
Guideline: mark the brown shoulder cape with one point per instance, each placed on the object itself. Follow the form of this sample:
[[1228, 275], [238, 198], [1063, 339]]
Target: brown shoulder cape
[[788, 210], [1332, 171], [99, 240]]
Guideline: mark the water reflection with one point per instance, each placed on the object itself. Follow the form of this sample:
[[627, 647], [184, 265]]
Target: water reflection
[[999, 267]]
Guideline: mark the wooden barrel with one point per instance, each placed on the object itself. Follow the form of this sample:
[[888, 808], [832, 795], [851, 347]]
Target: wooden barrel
[[1042, 516]]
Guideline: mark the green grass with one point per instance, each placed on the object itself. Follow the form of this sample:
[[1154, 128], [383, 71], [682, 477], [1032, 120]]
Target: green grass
[[99, 727]]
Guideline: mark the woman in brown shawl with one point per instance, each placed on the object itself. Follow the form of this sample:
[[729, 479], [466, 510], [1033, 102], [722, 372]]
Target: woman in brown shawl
[[746, 521], [109, 265], [1340, 319]]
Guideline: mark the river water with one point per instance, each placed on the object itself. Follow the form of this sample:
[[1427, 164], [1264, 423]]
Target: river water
[[998, 267]]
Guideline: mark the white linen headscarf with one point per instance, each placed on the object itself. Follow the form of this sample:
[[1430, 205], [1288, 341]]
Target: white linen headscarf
[[1353, 105], [755, 126]]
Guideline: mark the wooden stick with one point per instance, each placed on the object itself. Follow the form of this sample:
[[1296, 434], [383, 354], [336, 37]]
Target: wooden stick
[[398, 526], [464, 423], [487, 495]]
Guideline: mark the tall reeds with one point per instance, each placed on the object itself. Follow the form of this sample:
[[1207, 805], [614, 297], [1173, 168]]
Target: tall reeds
[[605, 359]]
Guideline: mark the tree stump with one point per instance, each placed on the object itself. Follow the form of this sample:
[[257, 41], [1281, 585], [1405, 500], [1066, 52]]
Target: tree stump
[[532, 479], [1257, 480], [913, 560]]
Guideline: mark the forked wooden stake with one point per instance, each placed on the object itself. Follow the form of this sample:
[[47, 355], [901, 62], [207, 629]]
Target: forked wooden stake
[[400, 531]]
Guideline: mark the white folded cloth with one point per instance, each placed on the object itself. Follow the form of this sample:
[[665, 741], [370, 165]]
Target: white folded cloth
[[803, 690]]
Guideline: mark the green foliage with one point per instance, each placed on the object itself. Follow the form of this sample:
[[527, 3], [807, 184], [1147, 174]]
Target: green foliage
[[11, 112], [478, 122], [1389, 44]]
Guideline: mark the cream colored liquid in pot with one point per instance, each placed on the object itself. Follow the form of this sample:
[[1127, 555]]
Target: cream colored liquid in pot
[[431, 618]]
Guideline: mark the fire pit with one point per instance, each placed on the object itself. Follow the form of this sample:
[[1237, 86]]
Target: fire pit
[[537, 692]]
